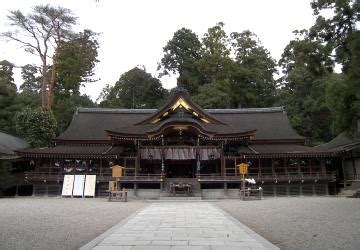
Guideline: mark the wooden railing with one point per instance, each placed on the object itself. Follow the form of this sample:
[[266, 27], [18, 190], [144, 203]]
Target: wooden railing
[[268, 177], [102, 177], [47, 176]]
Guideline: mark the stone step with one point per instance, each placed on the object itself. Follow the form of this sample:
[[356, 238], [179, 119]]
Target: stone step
[[180, 198], [168, 194], [348, 193]]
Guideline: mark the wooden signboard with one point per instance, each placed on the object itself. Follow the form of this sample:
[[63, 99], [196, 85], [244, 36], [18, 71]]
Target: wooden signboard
[[67, 185], [117, 171], [90, 183], [79, 185], [112, 185], [243, 168]]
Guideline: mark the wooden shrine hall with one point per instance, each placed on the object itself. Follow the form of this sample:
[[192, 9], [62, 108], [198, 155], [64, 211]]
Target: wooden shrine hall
[[182, 143]]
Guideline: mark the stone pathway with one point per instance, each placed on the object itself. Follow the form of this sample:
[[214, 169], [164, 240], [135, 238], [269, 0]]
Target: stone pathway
[[180, 225]]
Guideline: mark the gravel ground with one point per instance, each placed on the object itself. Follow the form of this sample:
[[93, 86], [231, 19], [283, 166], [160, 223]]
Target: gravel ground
[[289, 223], [301, 222], [55, 223]]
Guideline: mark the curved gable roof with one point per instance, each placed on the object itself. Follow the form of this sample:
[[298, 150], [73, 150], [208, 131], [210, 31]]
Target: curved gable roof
[[10, 143], [181, 99], [91, 124]]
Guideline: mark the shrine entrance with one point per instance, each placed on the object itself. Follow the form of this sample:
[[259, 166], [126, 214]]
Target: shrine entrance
[[180, 168]]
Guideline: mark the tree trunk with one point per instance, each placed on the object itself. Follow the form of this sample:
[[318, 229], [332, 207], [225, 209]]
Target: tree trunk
[[53, 78], [43, 85]]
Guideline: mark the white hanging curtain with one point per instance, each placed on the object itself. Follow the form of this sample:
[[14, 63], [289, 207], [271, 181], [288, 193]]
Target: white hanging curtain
[[203, 154], [144, 153], [157, 154], [182, 155], [168, 154], [192, 154]]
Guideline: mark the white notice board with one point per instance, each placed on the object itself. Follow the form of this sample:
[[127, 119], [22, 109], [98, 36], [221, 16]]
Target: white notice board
[[79, 185], [67, 185], [90, 183]]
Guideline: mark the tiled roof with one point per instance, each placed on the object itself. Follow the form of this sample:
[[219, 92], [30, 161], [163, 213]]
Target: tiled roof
[[10, 143], [73, 151], [269, 123]]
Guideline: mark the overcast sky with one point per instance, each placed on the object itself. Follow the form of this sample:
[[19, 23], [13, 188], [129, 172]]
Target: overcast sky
[[133, 32]]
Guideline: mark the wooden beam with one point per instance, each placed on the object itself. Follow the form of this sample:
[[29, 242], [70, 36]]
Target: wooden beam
[[101, 167]]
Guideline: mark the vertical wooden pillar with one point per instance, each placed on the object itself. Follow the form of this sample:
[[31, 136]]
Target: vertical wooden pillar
[[272, 166], [343, 169], [137, 161], [313, 189], [37, 165], [353, 166], [222, 162], [322, 166], [286, 166], [124, 167], [50, 166], [101, 167], [259, 166], [62, 165], [310, 166], [235, 173]]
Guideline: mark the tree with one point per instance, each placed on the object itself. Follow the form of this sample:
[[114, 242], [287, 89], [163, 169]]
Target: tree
[[180, 54], [213, 95], [335, 30], [343, 93], [31, 80], [36, 126], [254, 68], [215, 69], [135, 89], [41, 33], [7, 96], [76, 63], [307, 66], [30, 89], [236, 67]]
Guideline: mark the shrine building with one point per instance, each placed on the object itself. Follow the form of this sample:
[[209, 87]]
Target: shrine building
[[183, 143]]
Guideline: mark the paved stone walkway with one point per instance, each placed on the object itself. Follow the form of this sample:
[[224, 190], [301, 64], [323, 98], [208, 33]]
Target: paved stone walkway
[[180, 225]]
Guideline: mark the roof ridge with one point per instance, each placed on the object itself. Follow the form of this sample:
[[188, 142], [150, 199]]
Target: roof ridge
[[149, 111], [247, 110], [114, 110]]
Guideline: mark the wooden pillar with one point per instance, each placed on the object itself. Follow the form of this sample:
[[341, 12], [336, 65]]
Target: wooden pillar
[[310, 166], [235, 173], [124, 167], [17, 190], [37, 165], [137, 161], [222, 162], [353, 165], [286, 166], [322, 166], [50, 166], [259, 166], [62, 165], [343, 169], [101, 167], [272, 166]]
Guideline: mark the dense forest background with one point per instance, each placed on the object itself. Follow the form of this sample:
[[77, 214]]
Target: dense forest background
[[219, 70]]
